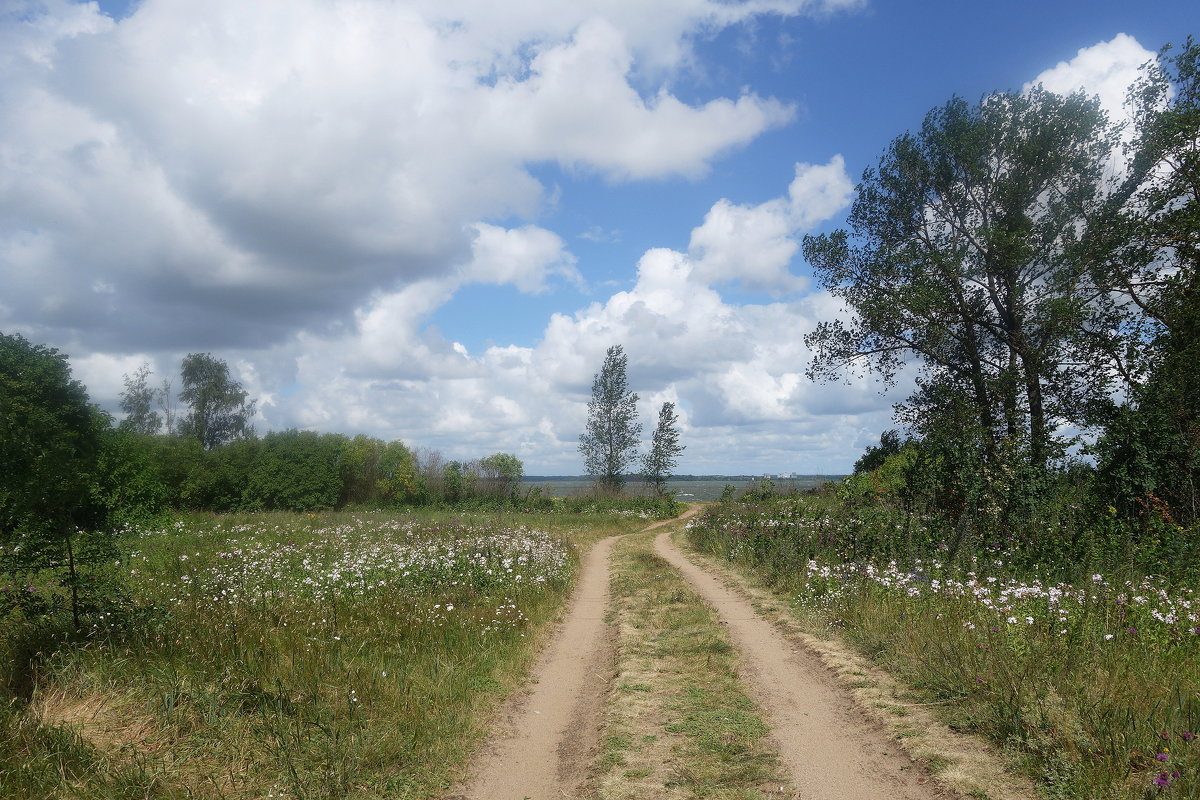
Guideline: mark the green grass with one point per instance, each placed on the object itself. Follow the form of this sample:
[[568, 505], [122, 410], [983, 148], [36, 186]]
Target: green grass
[[299, 656], [680, 724], [1093, 686]]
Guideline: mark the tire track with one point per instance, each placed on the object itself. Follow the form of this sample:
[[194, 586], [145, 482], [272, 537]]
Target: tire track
[[833, 751]]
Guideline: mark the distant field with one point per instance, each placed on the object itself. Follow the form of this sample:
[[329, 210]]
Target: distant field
[[695, 490]]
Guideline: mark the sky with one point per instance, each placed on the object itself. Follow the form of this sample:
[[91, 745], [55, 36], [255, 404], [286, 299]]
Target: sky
[[427, 220]]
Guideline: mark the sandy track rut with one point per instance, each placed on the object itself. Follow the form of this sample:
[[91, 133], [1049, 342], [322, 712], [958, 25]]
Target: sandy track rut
[[549, 736], [831, 749]]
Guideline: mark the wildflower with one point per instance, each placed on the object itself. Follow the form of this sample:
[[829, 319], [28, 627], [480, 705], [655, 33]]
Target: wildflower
[[1188, 736], [1107, 636]]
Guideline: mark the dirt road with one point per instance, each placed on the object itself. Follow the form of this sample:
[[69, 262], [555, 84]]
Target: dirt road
[[549, 736], [831, 749]]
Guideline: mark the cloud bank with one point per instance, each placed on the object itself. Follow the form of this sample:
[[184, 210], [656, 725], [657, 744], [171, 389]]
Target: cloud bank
[[298, 186]]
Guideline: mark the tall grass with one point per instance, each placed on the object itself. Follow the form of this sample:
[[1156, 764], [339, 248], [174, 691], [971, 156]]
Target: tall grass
[[1093, 682], [296, 656]]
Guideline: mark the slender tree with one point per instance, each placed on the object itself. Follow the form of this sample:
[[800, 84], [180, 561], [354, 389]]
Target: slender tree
[[609, 444], [659, 463], [138, 401], [218, 409]]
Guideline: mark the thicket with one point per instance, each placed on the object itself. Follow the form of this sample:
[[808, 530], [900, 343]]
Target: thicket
[[297, 470]]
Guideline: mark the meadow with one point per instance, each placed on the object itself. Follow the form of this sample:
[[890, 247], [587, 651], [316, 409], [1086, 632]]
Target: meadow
[[1085, 670], [292, 655]]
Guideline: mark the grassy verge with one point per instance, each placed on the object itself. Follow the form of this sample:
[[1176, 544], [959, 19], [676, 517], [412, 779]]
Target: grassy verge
[[1093, 685], [298, 656], [679, 723]]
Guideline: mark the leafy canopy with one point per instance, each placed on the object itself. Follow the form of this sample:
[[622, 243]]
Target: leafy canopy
[[218, 408]]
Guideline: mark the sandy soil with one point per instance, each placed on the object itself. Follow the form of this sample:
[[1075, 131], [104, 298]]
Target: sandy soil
[[548, 737], [832, 749]]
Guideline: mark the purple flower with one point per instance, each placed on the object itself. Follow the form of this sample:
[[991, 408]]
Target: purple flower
[[1162, 756], [1162, 779], [1188, 736]]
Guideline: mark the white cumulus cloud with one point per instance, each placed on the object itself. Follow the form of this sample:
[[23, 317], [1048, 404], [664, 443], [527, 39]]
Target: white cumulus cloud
[[274, 164], [755, 245]]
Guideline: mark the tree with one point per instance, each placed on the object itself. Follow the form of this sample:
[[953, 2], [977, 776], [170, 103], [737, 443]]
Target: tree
[[1145, 258], [138, 401], [49, 445], [400, 479], [609, 444], [217, 407], [964, 259], [890, 444], [501, 473], [660, 462], [360, 469]]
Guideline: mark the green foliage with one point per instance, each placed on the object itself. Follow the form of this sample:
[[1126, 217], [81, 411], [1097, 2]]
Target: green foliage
[[660, 462], [889, 445], [50, 441], [888, 481], [138, 402], [218, 478], [1146, 257], [174, 459], [609, 443], [964, 257], [295, 471], [218, 411], [501, 473], [455, 482], [128, 485], [398, 481], [360, 470]]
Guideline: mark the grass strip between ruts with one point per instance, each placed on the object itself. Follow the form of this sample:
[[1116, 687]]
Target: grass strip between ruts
[[679, 724]]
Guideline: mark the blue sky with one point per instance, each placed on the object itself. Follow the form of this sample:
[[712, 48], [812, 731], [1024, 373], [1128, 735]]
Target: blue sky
[[427, 220]]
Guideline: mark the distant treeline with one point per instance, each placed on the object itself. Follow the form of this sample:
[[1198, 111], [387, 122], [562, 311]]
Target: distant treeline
[[296, 470], [677, 478]]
